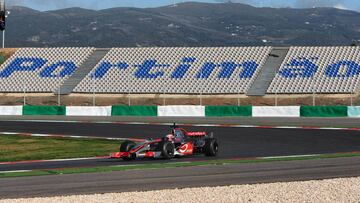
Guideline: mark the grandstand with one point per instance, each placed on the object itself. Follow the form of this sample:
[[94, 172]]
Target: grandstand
[[40, 69], [175, 70], [318, 69]]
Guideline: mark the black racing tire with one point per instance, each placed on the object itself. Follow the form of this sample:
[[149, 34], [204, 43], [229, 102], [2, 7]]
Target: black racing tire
[[125, 147], [132, 157], [211, 147], [167, 149]]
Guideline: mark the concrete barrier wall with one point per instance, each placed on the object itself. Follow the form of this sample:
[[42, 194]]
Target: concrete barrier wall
[[88, 110], [222, 111], [353, 111], [11, 110], [181, 111], [324, 111], [185, 111], [276, 111], [134, 110], [44, 110]]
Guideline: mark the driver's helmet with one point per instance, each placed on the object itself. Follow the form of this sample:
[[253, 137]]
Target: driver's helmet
[[170, 137], [178, 134]]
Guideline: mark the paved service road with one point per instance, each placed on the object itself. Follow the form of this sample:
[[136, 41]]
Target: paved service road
[[324, 122], [140, 180]]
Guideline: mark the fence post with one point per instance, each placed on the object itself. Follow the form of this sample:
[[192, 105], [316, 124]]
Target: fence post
[[59, 98], [24, 87], [94, 99]]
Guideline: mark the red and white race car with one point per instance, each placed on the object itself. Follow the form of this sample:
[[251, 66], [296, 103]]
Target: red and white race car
[[178, 143]]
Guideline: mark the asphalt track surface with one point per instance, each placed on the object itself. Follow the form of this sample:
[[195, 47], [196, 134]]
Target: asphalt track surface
[[234, 142]]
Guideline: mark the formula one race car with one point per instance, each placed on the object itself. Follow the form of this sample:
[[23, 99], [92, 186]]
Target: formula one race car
[[178, 143]]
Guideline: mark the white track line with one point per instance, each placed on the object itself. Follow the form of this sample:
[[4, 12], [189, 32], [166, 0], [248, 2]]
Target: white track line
[[51, 160], [62, 136], [75, 159], [18, 171], [291, 156]]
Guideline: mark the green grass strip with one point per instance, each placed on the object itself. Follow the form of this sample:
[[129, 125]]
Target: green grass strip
[[25, 148], [104, 169]]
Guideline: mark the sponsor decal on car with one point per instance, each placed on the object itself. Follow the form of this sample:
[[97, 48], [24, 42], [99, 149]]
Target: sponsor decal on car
[[186, 148], [196, 133]]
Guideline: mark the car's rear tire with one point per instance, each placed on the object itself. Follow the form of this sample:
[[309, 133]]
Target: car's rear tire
[[126, 147], [211, 147], [167, 150]]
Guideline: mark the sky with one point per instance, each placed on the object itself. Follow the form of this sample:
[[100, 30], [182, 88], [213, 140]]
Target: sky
[[44, 5]]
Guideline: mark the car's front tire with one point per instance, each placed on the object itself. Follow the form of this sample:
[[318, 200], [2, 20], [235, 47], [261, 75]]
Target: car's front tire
[[126, 147], [167, 149]]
